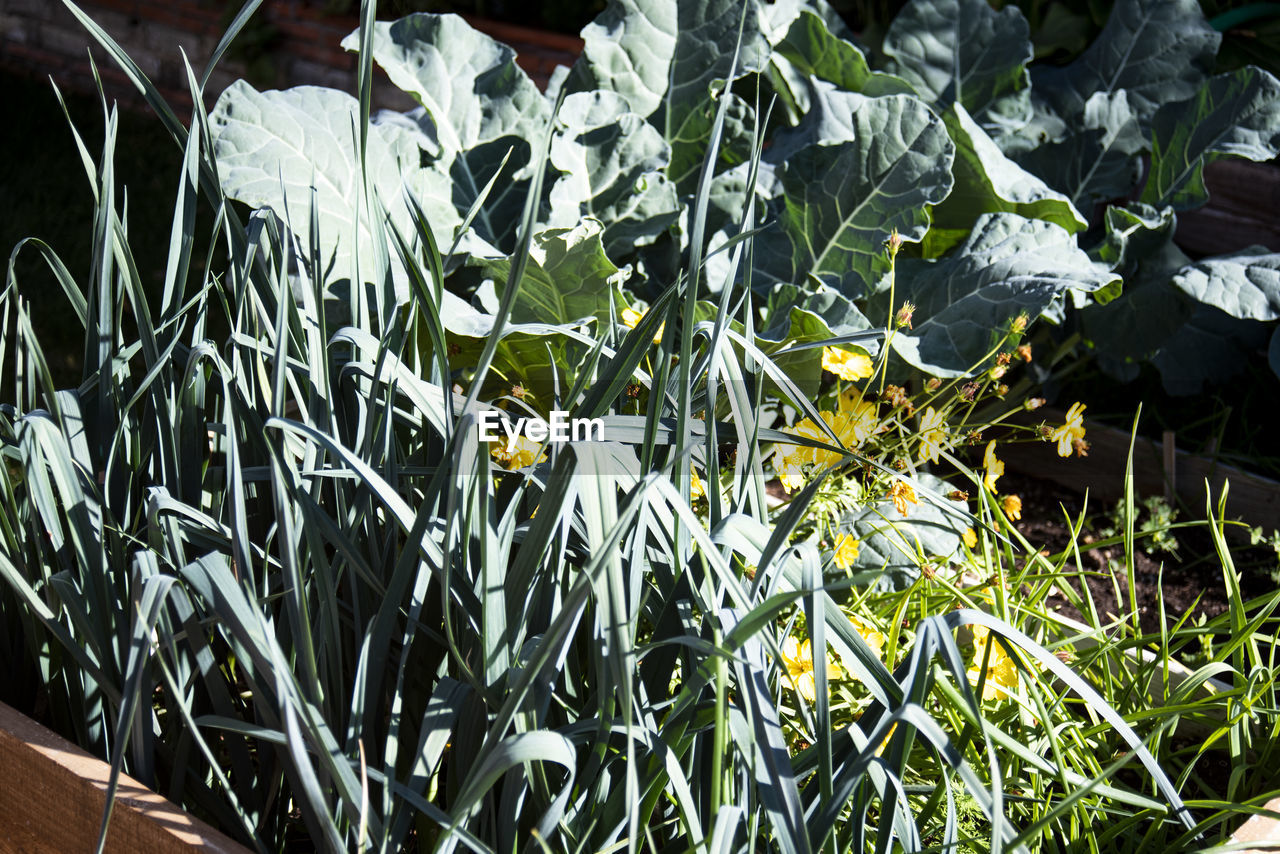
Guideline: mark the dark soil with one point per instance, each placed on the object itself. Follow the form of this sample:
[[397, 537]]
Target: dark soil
[[1190, 578]]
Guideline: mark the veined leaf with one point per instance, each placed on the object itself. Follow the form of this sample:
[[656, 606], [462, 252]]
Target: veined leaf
[[1232, 115], [664, 57], [274, 148], [569, 277], [1157, 50], [843, 201], [468, 83], [611, 163], [1245, 285], [989, 182], [1009, 265], [1099, 161], [960, 51], [809, 49], [480, 107]]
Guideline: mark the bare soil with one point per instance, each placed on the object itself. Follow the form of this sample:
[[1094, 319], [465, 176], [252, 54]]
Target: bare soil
[[1190, 578]]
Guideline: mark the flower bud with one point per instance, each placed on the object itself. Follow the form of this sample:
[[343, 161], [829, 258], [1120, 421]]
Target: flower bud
[[903, 318]]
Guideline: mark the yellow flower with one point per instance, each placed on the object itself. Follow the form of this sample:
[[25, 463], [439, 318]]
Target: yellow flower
[[846, 550], [696, 489], [792, 477], [873, 636], [970, 538], [847, 365], [631, 319], [994, 467], [521, 453], [1068, 433], [798, 657], [933, 434], [1012, 506], [861, 418], [789, 460], [902, 493], [1002, 672]]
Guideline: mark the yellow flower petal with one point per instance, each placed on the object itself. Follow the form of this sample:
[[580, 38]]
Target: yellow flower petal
[[933, 434], [846, 551], [903, 496], [1012, 506], [696, 489], [994, 467], [847, 365], [1067, 435], [970, 538]]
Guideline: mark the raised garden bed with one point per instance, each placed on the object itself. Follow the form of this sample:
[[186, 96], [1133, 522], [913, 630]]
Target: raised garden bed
[[1159, 468], [53, 794]]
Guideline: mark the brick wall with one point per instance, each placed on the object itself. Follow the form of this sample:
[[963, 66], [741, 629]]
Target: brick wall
[[299, 45]]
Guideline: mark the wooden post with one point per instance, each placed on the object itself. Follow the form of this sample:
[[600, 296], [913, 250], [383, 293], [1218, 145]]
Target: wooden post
[[52, 794]]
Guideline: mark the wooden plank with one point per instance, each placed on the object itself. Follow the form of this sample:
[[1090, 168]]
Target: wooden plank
[[52, 794], [1243, 199], [1260, 829], [1252, 498]]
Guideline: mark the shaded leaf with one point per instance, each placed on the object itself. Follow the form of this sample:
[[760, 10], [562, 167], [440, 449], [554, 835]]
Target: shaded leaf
[[1232, 115], [988, 182], [1158, 50], [611, 164], [960, 51], [1099, 160], [1008, 266]]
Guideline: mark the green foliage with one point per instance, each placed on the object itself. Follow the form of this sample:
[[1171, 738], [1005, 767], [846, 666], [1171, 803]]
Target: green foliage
[[261, 559]]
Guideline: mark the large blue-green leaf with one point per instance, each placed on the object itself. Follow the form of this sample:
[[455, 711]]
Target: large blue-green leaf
[[1157, 50], [960, 51], [1207, 350], [468, 83], [842, 201], [1244, 285], [664, 58], [1099, 160], [988, 182], [480, 108], [611, 163], [569, 276], [898, 544], [807, 48], [1232, 115], [275, 149], [1008, 266]]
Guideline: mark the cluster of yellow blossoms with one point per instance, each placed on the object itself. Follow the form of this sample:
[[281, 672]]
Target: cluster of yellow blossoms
[[855, 421], [797, 656], [999, 678]]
